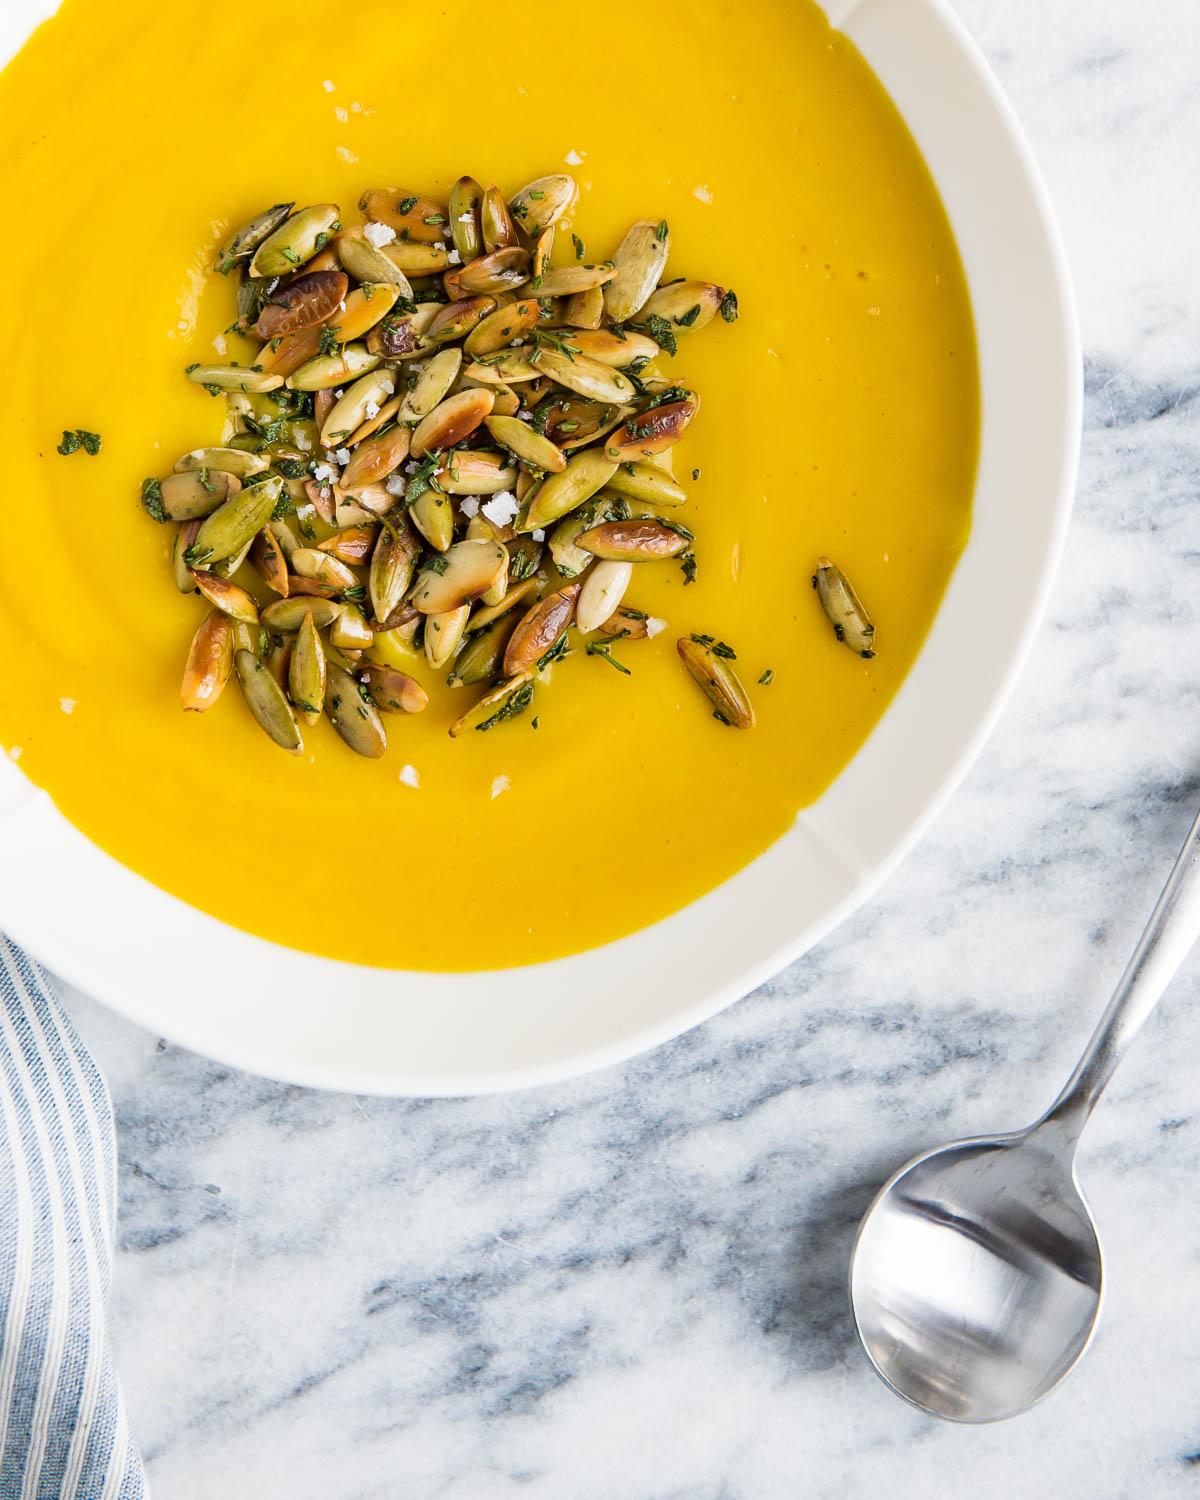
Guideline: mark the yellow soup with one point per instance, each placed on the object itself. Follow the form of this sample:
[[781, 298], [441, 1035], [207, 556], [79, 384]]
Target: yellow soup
[[840, 416]]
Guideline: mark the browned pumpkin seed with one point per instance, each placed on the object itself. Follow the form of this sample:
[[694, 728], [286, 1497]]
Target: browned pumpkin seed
[[569, 281], [392, 691], [500, 271], [306, 672], [585, 309], [640, 259], [542, 252], [284, 356], [307, 301], [350, 631], [472, 472], [401, 335], [268, 561], [586, 377], [267, 702], [353, 545], [310, 588], [377, 457], [327, 370], [539, 629], [466, 198], [372, 425], [496, 222], [467, 570], [718, 682], [544, 201], [632, 541], [227, 597], [633, 623], [504, 369], [615, 349], [686, 305], [502, 327], [647, 433], [366, 306], [311, 562], [443, 633], [284, 616], [513, 595], [417, 260], [209, 661], [843, 608], [457, 319], [416, 219], [490, 708], [323, 497], [451, 421]]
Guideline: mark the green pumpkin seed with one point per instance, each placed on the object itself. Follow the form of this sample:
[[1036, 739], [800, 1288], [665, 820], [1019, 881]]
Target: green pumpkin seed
[[283, 616], [433, 516], [367, 264], [515, 592], [306, 672], [188, 497], [227, 460], [250, 236], [328, 370], [416, 259], [295, 241], [717, 681], [471, 472], [647, 482], [569, 559], [585, 309], [354, 717], [482, 657], [530, 446], [350, 410], [569, 281], [544, 201], [504, 369], [507, 700], [497, 227], [843, 609], [433, 385], [392, 562], [266, 701], [466, 196], [232, 527], [244, 378], [562, 493]]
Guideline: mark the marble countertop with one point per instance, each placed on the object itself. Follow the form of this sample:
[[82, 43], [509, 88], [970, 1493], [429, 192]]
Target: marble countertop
[[631, 1287]]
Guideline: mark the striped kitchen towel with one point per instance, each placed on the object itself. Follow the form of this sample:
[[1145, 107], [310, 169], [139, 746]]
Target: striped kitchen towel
[[63, 1429]]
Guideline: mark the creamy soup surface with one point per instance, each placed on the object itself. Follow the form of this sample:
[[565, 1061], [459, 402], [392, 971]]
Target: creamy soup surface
[[840, 416]]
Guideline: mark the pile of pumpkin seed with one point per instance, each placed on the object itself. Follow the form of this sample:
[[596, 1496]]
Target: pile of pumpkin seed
[[444, 435]]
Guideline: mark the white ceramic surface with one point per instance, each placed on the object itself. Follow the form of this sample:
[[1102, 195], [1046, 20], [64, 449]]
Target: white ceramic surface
[[314, 1021]]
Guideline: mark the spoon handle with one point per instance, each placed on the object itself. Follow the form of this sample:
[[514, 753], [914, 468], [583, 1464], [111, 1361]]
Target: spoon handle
[[1172, 929]]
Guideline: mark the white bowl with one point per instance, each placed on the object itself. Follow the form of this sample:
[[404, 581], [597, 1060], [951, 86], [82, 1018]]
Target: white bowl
[[316, 1021]]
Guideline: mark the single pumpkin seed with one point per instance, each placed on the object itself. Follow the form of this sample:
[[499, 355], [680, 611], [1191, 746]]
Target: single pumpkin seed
[[544, 201], [415, 219], [303, 303], [367, 264], [310, 588], [349, 410], [615, 349], [561, 493], [311, 562], [356, 719], [686, 305], [482, 657], [306, 672], [366, 306], [254, 382], [586, 377], [632, 541], [482, 618], [640, 260], [267, 702], [401, 335], [377, 457], [491, 706], [585, 309], [284, 356], [242, 245], [466, 198], [626, 622], [189, 496], [209, 661], [352, 545], [269, 561], [433, 385], [500, 271], [451, 421], [647, 482], [295, 241], [569, 281], [718, 682], [392, 561], [496, 225], [228, 597], [284, 616], [457, 319], [530, 446], [507, 403], [350, 631], [542, 251], [393, 691], [361, 507], [323, 497], [467, 570], [500, 328], [227, 460], [646, 433], [539, 629], [433, 516], [385, 415], [329, 370], [253, 638], [443, 633], [231, 528], [278, 659], [472, 472], [504, 369], [601, 593], [185, 535], [843, 608], [417, 260]]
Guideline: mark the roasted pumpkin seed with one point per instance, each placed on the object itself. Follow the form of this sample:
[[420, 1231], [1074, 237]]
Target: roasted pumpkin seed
[[539, 629], [393, 691], [451, 421], [415, 219], [249, 379], [843, 608], [544, 201], [268, 560], [306, 672], [311, 562], [482, 618], [433, 516], [350, 631], [686, 305], [472, 472], [295, 241], [209, 661], [639, 261], [584, 475], [348, 412], [401, 335], [601, 592], [504, 369], [585, 309], [242, 245], [502, 702], [228, 597], [498, 230], [647, 433], [368, 264], [502, 327], [329, 370], [718, 682], [632, 541], [569, 281], [466, 197], [377, 457], [417, 260], [500, 271], [286, 615], [529, 446], [355, 718], [366, 306], [614, 349], [457, 319], [189, 496], [433, 385], [232, 527], [267, 702], [467, 570], [586, 377], [302, 303], [649, 483], [226, 460], [481, 658], [352, 545], [443, 633]]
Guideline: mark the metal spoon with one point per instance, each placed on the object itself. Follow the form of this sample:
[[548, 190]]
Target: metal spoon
[[977, 1272]]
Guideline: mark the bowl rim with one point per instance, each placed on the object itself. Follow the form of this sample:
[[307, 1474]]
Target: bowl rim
[[54, 861]]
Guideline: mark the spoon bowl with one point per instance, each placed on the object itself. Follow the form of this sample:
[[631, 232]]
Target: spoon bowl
[[977, 1277]]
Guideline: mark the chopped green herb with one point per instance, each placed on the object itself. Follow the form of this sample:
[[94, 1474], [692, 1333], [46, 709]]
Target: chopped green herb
[[434, 563], [662, 333], [580, 248], [510, 708], [152, 500], [729, 307], [767, 678], [329, 342], [688, 563], [603, 650], [689, 317], [70, 444], [406, 206], [663, 231]]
